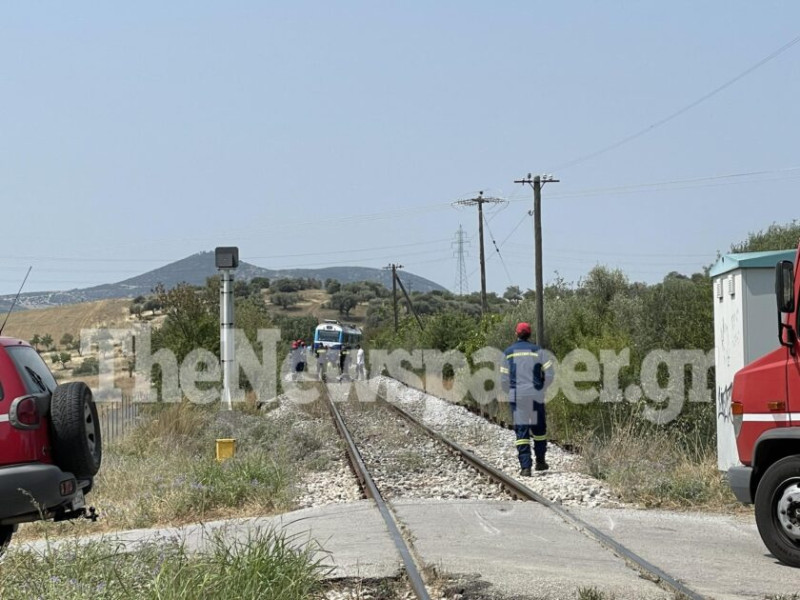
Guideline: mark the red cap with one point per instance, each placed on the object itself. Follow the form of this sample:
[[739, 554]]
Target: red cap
[[523, 329], [294, 345]]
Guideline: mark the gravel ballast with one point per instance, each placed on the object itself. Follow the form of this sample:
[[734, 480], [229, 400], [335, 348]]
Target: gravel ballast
[[407, 463], [563, 483]]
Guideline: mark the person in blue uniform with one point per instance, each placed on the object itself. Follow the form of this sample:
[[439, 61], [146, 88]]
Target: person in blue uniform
[[526, 372]]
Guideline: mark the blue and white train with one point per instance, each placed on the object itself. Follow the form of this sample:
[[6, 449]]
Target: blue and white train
[[332, 334]]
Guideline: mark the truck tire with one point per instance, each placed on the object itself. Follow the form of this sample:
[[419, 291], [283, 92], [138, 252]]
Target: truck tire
[[6, 531], [77, 445], [777, 509]]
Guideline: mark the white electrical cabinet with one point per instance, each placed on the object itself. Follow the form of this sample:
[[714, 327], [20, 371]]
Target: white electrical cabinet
[[745, 328]]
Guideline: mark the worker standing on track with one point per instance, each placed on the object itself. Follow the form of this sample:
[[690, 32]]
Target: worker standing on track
[[360, 372], [525, 375], [333, 359], [344, 362]]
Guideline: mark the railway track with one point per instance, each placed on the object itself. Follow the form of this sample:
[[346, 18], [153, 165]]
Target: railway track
[[366, 462]]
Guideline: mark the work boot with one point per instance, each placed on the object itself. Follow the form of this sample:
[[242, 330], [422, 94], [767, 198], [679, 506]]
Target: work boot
[[525, 472], [540, 465]]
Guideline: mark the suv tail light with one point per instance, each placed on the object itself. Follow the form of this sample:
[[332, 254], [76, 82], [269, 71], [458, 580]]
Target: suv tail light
[[24, 413]]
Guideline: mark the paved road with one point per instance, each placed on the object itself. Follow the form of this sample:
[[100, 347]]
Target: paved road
[[522, 549]]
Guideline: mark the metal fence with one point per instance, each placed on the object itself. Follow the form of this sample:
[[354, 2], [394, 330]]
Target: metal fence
[[118, 419]]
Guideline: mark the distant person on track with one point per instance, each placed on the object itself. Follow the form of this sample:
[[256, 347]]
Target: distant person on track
[[301, 358], [333, 359], [294, 358], [344, 362], [360, 366], [525, 374], [320, 354]]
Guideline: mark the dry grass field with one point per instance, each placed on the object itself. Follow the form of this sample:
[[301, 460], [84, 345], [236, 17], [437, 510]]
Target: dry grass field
[[71, 319]]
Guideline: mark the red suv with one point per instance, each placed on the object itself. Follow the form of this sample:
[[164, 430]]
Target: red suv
[[50, 447]]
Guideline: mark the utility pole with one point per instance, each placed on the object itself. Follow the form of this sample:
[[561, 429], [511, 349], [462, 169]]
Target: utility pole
[[480, 201], [394, 268], [411, 308], [536, 183]]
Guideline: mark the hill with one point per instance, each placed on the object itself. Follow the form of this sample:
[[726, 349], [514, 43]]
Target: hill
[[67, 319], [195, 270]]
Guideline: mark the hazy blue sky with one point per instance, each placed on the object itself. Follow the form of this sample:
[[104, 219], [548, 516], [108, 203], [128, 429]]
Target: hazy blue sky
[[333, 133]]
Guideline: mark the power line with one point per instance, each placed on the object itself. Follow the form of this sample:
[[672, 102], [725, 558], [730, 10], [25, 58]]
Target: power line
[[502, 262], [680, 111], [683, 183]]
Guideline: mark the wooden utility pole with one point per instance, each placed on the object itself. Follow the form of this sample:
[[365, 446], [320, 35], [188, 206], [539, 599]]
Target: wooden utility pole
[[536, 183], [480, 201], [394, 268]]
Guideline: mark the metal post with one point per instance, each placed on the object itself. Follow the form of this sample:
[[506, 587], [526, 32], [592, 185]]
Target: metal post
[[226, 335]]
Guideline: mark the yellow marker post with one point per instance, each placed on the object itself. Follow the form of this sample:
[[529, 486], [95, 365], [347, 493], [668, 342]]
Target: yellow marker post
[[226, 448]]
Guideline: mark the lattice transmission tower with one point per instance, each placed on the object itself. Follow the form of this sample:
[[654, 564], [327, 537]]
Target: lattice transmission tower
[[460, 252]]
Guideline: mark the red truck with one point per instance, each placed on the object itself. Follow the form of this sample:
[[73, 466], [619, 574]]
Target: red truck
[[765, 407], [50, 446]]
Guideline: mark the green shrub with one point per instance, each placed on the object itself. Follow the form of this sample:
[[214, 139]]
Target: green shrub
[[265, 565], [89, 366]]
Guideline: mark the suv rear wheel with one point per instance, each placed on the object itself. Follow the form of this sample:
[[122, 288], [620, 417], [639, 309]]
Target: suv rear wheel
[[777, 511], [76, 440]]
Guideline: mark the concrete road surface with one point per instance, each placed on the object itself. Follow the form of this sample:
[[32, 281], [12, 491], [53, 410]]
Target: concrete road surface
[[521, 549]]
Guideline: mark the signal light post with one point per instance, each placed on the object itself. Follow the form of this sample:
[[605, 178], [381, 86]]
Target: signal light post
[[227, 259]]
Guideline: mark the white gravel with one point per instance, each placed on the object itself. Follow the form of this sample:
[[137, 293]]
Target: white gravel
[[563, 483], [332, 482]]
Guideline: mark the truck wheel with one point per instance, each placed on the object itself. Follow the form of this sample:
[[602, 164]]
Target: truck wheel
[[77, 446], [777, 508], [6, 531]]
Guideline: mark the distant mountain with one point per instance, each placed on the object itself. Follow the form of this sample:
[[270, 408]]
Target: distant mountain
[[195, 270]]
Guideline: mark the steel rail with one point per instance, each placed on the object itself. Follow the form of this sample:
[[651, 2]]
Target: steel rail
[[518, 490], [371, 490]]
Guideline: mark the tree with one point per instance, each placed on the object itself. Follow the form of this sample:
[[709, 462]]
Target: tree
[[259, 283], [153, 305], [47, 341], [36, 340], [192, 320], [241, 289], [774, 237], [61, 358], [344, 302], [513, 294], [332, 286], [67, 340], [286, 284], [284, 299]]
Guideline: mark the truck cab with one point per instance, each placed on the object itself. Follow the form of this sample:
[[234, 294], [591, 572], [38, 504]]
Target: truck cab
[[765, 408]]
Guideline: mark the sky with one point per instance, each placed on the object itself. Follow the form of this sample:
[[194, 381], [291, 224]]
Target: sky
[[315, 134]]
